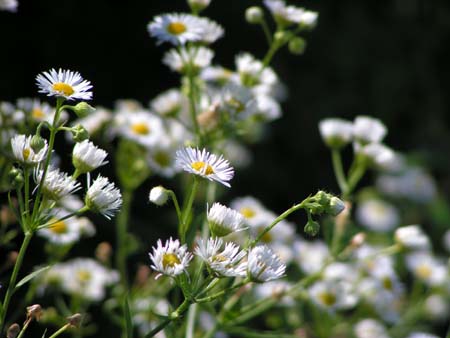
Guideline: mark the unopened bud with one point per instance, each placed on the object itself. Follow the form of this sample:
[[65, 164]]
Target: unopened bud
[[336, 206], [297, 45], [158, 195], [358, 240], [13, 331], [12, 257], [79, 133], [312, 228], [83, 109], [34, 312], [74, 320], [282, 37], [16, 178], [37, 143], [254, 15], [103, 252], [198, 5]]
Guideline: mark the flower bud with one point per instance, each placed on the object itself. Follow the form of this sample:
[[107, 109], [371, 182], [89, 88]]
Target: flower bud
[[34, 312], [74, 320], [358, 240], [336, 206], [13, 331], [312, 228], [254, 15], [198, 5], [37, 143], [79, 133], [83, 109], [158, 195], [16, 178], [297, 45], [282, 37]]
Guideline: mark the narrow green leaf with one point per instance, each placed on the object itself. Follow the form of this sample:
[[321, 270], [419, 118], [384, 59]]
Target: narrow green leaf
[[128, 322], [29, 277]]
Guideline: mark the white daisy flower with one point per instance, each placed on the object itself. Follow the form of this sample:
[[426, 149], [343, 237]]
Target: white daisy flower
[[176, 28], [379, 156], [264, 265], [158, 195], [377, 215], [283, 14], [336, 132], [188, 59], [311, 256], [64, 83], [223, 220], [87, 157], [275, 289], [207, 165], [238, 101], [427, 268], [103, 197], [211, 31], [140, 126], [9, 5], [169, 103], [226, 262], [56, 184], [24, 153], [170, 259], [39, 111], [367, 129], [253, 74], [309, 19], [370, 328], [266, 108], [437, 307], [217, 75], [332, 295], [412, 237]]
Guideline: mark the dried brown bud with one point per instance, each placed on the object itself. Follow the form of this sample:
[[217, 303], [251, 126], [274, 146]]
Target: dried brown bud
[[142, 275], [209, 119], [358, 240], [13, 331], [34, 312], [12, 257], [103, 252], [6, 215], [74, 320]]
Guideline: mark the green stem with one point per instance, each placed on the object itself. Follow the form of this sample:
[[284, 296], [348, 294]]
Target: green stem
[[353, 180], [184, 226], [12, 281], [193, 106], [61, 330], [339, 170], [26, 216], [121, 237], [266, 30], [25, 327], [220, 293], [176, 204], [75, 213], [191, 321]]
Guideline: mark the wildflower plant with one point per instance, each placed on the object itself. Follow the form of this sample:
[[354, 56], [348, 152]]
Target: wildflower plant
[[340, 273]]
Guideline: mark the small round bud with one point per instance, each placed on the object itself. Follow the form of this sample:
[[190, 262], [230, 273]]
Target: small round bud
[[158, 195], [83, 109], [358, 240], [74, 320], [282, 37], [254, 15], [336, 206], [79, 133], [103, 252], [34, 312], [297, 45], [312, 228], [198, 5], [37, 143], [16, 178], [13, 331]]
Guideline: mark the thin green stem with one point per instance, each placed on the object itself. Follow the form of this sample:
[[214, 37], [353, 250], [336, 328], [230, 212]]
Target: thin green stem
[[61, 330], [220, 293], [176, 204], [75, 213], [184, 226], [266, 30], [191, 321], [24, 328], [26, 216], [121, 237], [12, 281], [339, 170], [193, 105], [354, 178]]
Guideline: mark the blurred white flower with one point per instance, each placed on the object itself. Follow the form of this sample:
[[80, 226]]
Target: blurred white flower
[[177, 28], [412, 237], [367, 129], [377, 215], [336, 132]]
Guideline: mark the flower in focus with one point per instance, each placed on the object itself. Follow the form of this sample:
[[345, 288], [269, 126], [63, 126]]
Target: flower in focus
[[204, 164], [264, 265], [64, 83], [24, 152], [158, 195], [103, 197], [87, 157], [56, 184], [176, 28], [223, 220], [170, 259]]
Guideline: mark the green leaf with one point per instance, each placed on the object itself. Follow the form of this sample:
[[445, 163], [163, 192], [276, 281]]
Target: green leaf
[[29, 277], [128, 322]]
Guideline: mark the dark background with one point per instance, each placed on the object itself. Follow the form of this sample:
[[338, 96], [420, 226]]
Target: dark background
[[389, 59]]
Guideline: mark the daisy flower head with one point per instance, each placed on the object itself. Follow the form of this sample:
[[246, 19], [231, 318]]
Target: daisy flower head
[[332, 295], [176, 28], [367, 129], [283, 14], [264, 265], [188, 59], [377, 215], [336, 132], [141, 126], [87, 157], [211, 31], [103, 197], [169, 103], [370, 328], [24, 152], [226, 262], [223, 221], [64, 83], [204, 164], [412, 237], [56, 184], [170, 259]]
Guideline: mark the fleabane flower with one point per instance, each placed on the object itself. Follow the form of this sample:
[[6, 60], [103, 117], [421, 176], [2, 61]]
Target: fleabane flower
[[103, 197], [336, 132], [428, 268], [204, 164], [87, 157], [370, 328], [264, 265], [64, 83], [412, 237], [56, 184], [9, 5], [176, 28], [24, 152], [367, 129], [223, 221], [169, 103], [211, 31], [170, 259], [226, 262], [283, 14], [188, 59]]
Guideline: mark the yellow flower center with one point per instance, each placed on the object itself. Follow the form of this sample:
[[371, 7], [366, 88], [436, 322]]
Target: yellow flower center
[[247, 212], [198, 166], [37, 113], [176, 28], [83, 276], [59, 228], [423, 271], [170, 260], [219, 258], [328, 299], [266, 238], [140, 128], [63, 88], [387, 283], [26, 153]]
